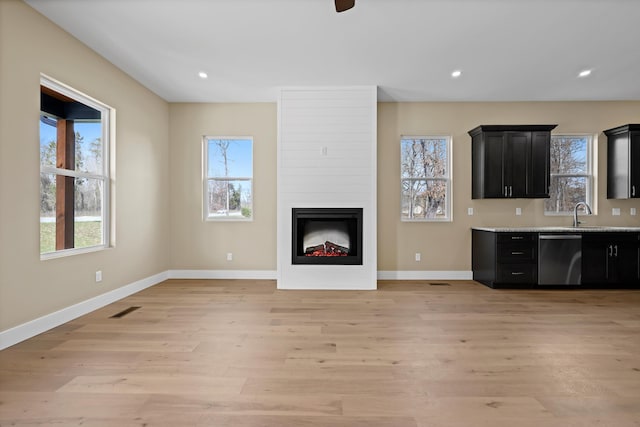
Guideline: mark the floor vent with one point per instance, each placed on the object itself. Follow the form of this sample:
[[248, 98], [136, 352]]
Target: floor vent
[[439, 284], [124, 312]]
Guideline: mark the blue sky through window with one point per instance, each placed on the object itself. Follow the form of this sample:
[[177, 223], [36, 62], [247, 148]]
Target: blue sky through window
[[90, 131], [239, 158]]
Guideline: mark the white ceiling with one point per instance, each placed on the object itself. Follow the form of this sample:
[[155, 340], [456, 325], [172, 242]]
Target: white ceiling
[[508, 50]]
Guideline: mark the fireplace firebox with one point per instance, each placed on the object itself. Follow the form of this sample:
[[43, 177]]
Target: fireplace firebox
[[326, 236]]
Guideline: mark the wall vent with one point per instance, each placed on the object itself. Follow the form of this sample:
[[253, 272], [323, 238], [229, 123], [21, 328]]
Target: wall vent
[[124, 312]]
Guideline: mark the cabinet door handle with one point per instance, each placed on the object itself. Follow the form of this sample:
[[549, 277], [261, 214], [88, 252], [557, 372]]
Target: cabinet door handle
[[517, 253], [511, 191], [505, 191], [615, 254], [517, 238], [517, 273], [633, 191], [610, 250]]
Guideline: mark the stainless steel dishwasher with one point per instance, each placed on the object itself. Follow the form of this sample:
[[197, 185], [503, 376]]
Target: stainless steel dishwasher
[[559, 259]]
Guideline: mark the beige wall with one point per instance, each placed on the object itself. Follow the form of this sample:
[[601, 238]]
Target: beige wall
[[203, 245], [196, 244], [30, 288], [447, 247]]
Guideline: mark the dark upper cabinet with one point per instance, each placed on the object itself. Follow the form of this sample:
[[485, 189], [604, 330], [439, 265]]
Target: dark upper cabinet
[[623, 162], [510, 161]]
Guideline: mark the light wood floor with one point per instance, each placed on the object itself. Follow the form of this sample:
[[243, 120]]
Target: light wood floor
[[241, 353]]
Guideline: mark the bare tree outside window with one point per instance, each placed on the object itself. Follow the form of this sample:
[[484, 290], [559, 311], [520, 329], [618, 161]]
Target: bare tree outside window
[[570, 173], [228, 178], [425, 181]]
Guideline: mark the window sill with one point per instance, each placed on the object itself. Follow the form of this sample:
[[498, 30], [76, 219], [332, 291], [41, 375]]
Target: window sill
[[71, 252], [426, 220]]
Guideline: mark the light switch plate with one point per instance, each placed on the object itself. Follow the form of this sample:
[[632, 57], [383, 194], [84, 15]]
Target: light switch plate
[[615, 211], [518, 211], [470, 211], [632, 211]]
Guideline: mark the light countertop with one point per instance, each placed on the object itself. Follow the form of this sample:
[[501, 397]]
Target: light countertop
[[560, 229]]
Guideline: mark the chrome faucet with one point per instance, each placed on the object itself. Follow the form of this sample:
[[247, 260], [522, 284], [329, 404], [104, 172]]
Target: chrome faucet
[[576, 223]]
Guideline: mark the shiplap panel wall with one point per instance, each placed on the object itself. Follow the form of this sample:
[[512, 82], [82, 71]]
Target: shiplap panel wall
[[326, 159]]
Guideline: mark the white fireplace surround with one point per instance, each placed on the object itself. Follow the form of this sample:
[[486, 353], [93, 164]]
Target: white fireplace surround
[[327, 159]]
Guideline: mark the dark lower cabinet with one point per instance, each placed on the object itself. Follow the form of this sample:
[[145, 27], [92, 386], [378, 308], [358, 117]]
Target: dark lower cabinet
[[501, 259], [505, 259], [610, 259]]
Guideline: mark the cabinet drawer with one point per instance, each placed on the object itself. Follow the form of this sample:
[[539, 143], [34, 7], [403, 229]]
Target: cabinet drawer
[[516, 252], [516, 273], [516, 237]]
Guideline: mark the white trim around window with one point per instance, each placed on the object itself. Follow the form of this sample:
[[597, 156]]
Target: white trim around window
[[102, 175], [227, 184], [587, 175], [426, 179]]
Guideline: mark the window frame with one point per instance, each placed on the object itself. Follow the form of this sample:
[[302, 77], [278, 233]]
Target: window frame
[[107, 119], [206, 178], [590, 191], [448, 179]]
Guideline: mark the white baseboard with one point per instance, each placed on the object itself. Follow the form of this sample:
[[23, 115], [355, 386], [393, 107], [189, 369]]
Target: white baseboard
[[223, 274], [42, 324], [425, 275], [273, 275]]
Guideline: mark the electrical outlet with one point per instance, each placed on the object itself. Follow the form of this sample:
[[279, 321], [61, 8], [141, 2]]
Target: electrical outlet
[[470, 211], [632, 211], [418, 256], [98, 276], [229, 256], [615, 211], [518, 211]]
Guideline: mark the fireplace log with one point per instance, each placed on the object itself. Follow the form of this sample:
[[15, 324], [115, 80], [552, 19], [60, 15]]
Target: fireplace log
[[331, 247], [328, 249], [312, 249]]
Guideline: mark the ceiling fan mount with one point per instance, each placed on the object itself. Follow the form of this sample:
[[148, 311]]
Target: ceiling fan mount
[[342, 5]]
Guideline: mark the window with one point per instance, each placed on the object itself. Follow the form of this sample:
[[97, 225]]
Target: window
[[425, 176], [571, 176], [228, 178], [74, 171]]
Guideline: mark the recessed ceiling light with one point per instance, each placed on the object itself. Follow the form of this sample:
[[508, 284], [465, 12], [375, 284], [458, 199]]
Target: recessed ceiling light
[[584, 73], [202, 75], [456, 74]]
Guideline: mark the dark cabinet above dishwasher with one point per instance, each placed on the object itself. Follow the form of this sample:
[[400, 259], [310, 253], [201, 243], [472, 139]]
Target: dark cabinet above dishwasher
[[510, 161]]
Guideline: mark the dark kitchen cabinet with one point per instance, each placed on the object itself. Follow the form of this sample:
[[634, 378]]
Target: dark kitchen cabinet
[[504, 259], [610, 259], [510, 161], [623, 162]]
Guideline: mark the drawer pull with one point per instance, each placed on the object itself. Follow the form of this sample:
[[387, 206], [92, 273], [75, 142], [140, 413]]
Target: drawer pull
[[517, 238], [517, 273], [517, 253]]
